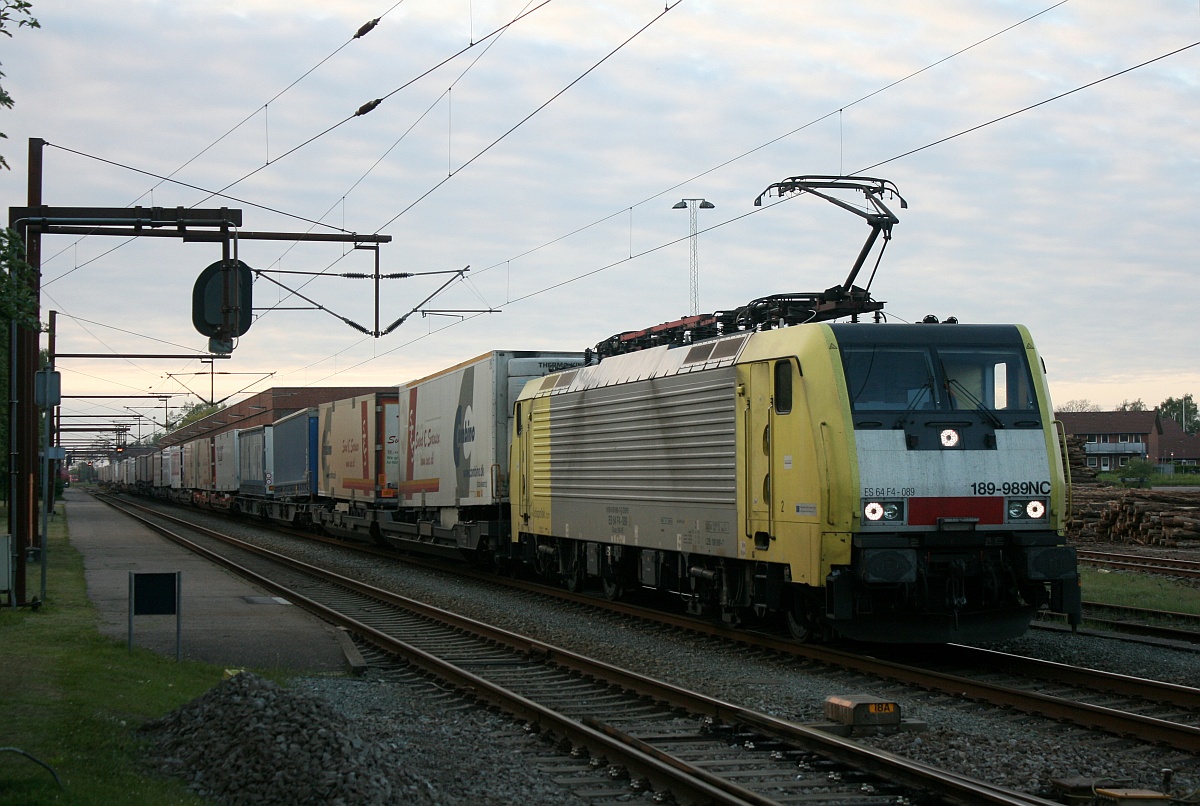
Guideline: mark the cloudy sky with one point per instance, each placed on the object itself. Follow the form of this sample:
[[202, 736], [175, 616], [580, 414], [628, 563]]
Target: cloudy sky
[[548, 157]]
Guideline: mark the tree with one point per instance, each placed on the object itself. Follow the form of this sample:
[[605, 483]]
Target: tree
[[1183, 411], [1140, 470], [1134, 405], [193, 412], [1078, 404], [13, 13]]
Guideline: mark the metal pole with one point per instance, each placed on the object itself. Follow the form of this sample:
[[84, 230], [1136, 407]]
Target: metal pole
[[50, 429], [129, 646], [692, 205], [178, 616], [12, 459], [694, 262], [47, 495], [25, 503]]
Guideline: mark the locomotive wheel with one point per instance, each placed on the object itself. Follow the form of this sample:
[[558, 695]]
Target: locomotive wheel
[[801, 621], [799, 628], [573, 577], [613, 589]]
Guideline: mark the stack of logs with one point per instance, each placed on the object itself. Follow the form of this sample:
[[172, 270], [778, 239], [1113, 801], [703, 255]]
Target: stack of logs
[[1077, 459], [1144, 517], [1117, 515]]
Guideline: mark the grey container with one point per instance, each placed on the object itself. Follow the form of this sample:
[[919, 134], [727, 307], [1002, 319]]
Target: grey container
[[295, 454]]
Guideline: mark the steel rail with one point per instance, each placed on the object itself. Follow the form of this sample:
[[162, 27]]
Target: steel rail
[[1130, 623], [1086, 715], [694, 787], [1135, 562], [683, 779]]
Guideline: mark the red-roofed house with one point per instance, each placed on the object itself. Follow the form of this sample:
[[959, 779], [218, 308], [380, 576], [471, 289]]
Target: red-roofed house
[[1177, 447], [1114, 438]]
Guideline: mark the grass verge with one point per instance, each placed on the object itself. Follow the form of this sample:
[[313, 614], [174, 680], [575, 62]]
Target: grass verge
[[1139, 590], [74, 699]]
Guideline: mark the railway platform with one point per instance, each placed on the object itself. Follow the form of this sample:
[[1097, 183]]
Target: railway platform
[[225, 619]]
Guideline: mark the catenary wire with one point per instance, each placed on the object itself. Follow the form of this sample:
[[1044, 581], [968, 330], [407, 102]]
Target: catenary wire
[[372, 105], [526, 119], [783, 136], [221, 193], [169, 177], [732, 160], [764, 208], [371, 169], [497, 140]]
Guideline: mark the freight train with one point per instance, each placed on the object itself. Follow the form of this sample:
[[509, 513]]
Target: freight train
[[881, 482]]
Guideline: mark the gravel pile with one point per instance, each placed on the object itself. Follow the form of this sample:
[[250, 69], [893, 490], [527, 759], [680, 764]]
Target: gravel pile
[[248, 741]]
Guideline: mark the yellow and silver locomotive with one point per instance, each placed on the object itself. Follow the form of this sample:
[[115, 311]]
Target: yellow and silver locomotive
[[879, 481]]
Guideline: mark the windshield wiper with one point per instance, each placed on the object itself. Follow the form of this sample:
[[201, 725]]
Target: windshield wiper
[[927, 387], [976, 402]]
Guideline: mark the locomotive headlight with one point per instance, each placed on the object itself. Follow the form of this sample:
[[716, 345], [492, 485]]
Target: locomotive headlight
[[949, 438], [883, 511], [1026, 510]]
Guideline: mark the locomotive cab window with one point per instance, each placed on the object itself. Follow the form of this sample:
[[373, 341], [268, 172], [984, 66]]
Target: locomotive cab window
[[988, 379], [889, 379], [939, 369], [783, 387]]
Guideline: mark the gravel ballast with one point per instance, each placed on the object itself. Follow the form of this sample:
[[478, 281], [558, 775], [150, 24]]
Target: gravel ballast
[[491, 760]]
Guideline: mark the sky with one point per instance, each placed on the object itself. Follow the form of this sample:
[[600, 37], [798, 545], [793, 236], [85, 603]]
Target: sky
[[547, 158]]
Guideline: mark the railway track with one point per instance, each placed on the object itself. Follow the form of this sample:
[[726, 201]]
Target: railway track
[[700, 749], [1132, 623], [1149, 710], [1146, 710], [1136, 562]]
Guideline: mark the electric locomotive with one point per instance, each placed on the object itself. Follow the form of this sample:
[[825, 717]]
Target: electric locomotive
[[878, 481], [883, 482]]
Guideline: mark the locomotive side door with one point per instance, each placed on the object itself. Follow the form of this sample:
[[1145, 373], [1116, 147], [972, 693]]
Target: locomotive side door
[[757, 450], [519, 490]]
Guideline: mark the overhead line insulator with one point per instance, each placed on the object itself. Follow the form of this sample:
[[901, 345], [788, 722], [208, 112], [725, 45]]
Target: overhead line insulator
[[366, 28], [367, 107]]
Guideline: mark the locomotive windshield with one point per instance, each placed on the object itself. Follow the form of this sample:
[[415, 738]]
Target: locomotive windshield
[[904, 375]]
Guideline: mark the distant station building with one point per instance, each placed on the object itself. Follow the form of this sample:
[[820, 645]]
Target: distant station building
[[265, 408]]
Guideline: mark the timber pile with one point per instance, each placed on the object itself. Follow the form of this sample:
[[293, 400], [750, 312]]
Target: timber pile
[[1142, 517], [1077, 460]]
